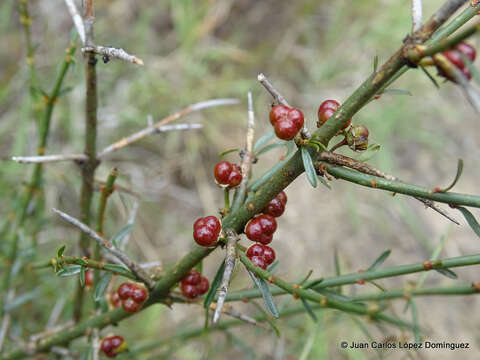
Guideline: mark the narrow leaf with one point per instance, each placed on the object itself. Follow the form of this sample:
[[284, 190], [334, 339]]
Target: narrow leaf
[[270, 147], [222, 154], [309, 310], [270, 321], [60, 251], [81, 261], [375, 63], [82, 276], [119, 269], [263, 140], [430, 77], [309, 169], [69, 270], [457, 176], [214, 286], [336, 262], [102, 285], [380, 260], [120, 235], [64, 91], [324, 182], [448, 273], [470, 220], [333, 294], [267, 296], [272, 268], [313, 283], [416, 326]]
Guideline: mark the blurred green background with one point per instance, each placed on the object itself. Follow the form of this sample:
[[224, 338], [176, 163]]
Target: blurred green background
[[199, 50]]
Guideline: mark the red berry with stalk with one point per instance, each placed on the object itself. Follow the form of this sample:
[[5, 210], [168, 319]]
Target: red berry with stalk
[[113, 345], [286, 121]]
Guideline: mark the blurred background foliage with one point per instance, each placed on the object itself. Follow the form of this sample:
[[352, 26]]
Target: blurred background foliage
[[198, 50]]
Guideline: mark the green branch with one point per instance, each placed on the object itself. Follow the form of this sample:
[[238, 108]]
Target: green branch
[[375, 182]]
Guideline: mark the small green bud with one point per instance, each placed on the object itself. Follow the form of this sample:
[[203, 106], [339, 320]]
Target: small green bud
[[357, 138]]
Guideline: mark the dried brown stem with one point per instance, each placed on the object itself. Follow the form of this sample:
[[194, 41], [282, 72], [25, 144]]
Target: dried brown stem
[[48, 158], [108, 52]]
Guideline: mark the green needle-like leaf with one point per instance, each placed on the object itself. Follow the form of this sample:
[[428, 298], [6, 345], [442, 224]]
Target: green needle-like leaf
[[101, 286], [380, 260], [120, 235], [470, 220], [309, 168], [267, 295], [214, 286]]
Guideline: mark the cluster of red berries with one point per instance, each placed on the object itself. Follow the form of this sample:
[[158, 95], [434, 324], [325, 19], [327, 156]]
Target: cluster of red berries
[[130, 296], [261, 255], [286, 121], [227, 175], [261, 228], [206, 230], [455, 57], [113, 345], [194, 284], [326, 110]]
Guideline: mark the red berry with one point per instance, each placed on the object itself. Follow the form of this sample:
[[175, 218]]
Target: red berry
[[326, 110], [268, 254], [125, 290], [275, 207], [234, 179], [89, 278], [278, 112], [454, 57], [222, 172], [206, 230], [112, 346], [190, 291], [467, 50], [130, 305], [286, 121], [192, 278], [255, 250], [139, 294], [258, 261], [114, 299], [203, 286], [261, 229]]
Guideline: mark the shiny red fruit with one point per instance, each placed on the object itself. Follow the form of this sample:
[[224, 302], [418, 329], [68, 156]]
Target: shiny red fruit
[[139, 294], [326, 110], [259, 261], [130, 305], [287, 121], [112, 345], [192, 278], [206, 230], [203, 286], [275, 207], [268, 254], [278, 112], [255, 250], [89, 278], [234, 179], [467, 50], [261, 229], [125, 290], [222, 172], [190, 291], [454, 57], [283, 197]]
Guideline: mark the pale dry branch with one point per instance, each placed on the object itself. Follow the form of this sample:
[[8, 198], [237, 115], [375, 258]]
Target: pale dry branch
[[6, 321], [108, 52], [228, 310], [49, 158], [159, 125], [108, 246], [417, 7], [230, 260], [52, 331], [77, 19]]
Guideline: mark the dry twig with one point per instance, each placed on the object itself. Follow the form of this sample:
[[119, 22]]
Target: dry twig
[[416, 15], [77, 19], [49, 158], [108, 246]]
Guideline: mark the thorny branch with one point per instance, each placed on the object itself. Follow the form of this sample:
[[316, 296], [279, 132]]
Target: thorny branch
[[228, 310], [108, 246]]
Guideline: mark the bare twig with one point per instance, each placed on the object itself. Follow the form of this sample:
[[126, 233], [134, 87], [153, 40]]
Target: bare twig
[[108, 52], [159, 125], [416, 15], [52, 331], [228, 310], [56, 311], [77, 19], [88, 22], [108, 246], [230, 259], [346, 161], [6, 318], [49, 158], [96, 344], [280, 99]]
